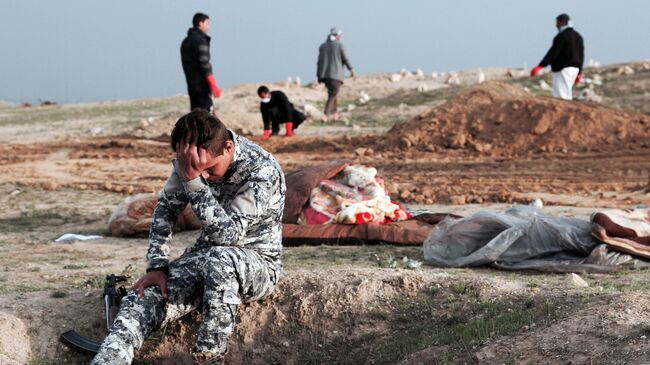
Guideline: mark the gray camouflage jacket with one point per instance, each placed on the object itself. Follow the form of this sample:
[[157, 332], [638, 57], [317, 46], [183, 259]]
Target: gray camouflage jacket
[[242, 209]]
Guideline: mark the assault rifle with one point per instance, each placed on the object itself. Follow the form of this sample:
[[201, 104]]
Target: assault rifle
[[112, 298]]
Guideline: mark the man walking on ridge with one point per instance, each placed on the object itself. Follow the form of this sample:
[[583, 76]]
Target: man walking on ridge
[[566, 57], [331, 59], [195, 56]]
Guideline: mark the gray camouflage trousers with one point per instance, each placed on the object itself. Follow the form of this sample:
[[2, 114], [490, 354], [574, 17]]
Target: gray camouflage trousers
[[215, 278]]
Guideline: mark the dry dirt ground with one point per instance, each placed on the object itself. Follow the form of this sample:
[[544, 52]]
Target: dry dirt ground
[[64, 168]]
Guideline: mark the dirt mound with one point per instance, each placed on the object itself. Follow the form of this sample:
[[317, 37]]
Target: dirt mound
[[499, 118], [619, 322], [14, 340]]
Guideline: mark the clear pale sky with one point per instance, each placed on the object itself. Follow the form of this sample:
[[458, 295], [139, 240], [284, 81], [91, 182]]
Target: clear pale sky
[[82, 50]]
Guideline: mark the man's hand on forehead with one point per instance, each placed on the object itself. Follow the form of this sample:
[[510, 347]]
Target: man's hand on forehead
[[192, 160]]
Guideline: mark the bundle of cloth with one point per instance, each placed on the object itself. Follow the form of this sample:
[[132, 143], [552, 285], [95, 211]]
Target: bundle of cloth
[[625, 230], [133, 216], [524, 237], [334, 202], [356, 195]]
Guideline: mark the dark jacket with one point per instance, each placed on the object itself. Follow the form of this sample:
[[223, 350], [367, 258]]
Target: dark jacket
[[567, 51], [331, 59], [195, 56], [279, 110]]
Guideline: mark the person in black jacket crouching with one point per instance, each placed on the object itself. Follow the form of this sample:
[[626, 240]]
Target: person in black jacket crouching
[[276, 109]]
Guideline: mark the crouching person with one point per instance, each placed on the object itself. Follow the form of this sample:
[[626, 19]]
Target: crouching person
[[276, 109], [237, 191]]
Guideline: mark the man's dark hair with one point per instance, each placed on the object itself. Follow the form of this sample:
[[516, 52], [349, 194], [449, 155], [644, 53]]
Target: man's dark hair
[[198, 18], [563, 18], [201, 128], [262, 90]]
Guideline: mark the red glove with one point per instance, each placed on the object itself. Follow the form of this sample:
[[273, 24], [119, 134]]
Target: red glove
[[578, 79], [216, 92], [535, 70]]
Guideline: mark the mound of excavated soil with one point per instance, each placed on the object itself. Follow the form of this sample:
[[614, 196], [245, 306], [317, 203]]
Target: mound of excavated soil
[[504, 119], [14, 340]]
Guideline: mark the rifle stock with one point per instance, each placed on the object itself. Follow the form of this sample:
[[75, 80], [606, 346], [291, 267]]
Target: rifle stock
[[112, 297]]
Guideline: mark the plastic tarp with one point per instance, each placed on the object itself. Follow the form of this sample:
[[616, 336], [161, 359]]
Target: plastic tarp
[[523, 237]]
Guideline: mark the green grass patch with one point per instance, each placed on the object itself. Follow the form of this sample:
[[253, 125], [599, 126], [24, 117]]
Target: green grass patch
[[367, 256], [91, 282], [32, 219], [125, 111], [457, 321]]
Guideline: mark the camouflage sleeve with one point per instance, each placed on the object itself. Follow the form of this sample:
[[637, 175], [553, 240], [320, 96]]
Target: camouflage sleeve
[[170, 205], [227, 228]]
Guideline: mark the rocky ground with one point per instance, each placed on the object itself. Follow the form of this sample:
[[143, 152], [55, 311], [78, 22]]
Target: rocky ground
[[66, 167]]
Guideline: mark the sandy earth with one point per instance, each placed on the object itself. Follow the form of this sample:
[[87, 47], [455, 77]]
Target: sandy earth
[[64, 168]]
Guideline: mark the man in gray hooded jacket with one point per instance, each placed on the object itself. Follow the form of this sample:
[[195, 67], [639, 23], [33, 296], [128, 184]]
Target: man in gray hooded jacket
[[331, 60]]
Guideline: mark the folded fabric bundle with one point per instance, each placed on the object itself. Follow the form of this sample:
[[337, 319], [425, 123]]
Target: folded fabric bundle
[[624, 230], [354, 196]]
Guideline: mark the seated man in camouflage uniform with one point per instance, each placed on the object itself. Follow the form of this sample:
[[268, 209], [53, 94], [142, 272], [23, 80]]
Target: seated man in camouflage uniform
[[237, 190]]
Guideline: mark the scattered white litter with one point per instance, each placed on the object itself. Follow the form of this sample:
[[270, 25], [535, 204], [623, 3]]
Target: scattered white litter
[[480, 77], [453, 78], [544, 85], [395, 77], [588, 94], [575, 280], [537, 203], [363, 97], [411, 263], [77, 237]]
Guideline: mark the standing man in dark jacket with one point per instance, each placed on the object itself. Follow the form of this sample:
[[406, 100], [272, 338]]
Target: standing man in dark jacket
[[195, 56], [277, 109], [331, 59], [566, 57]]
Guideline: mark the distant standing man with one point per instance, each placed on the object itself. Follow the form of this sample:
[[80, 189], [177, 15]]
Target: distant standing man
[[331, 59], [276, 109], [195, 56], [566, 57]]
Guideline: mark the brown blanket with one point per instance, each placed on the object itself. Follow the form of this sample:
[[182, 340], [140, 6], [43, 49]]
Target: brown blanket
[[300, 184], [405, 233], [624, 230]]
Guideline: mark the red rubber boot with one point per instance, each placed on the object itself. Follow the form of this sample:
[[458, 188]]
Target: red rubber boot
[[289, 127]]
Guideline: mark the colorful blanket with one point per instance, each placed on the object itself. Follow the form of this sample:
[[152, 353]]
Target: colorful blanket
[[354, 196]]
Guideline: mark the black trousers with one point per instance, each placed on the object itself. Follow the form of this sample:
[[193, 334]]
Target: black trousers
[[333, 87], [275, 120], [201, 100]]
